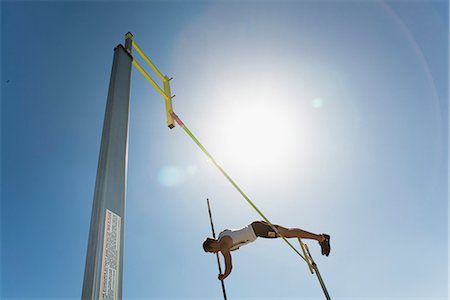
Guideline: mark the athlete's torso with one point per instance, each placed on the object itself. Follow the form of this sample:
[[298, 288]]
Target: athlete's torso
[[240, 237]]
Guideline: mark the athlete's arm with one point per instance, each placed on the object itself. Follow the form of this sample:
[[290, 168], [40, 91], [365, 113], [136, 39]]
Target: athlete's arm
[[228, 265], [225, 245]]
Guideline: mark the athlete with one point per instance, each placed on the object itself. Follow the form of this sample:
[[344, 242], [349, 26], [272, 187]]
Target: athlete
[[230, 240]]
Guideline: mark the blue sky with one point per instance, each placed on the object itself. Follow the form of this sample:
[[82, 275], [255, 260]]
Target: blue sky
[[331, 115]]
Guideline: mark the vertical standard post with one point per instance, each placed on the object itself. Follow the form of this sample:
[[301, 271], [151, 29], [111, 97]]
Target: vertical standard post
[[217, 254], [104, 259], [322, 284], [319, 277], [168, 102]]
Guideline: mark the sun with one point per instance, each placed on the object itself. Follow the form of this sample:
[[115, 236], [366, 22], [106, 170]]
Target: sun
[[250, 105], [256, 132]]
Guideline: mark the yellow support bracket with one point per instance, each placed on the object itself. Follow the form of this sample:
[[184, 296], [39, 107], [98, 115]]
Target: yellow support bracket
[[165, 92]]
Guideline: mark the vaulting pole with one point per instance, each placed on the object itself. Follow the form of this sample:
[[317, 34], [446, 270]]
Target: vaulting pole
[[104, 259], [217, 254]]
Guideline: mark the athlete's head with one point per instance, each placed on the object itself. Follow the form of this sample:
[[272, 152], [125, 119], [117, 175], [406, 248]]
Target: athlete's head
[[209, 245]]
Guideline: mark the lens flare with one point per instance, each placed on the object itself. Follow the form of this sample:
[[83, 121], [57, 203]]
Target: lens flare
[[169, 176], [317, 103]]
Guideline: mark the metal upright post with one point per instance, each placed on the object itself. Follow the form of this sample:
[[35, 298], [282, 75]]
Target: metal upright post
[[319, 277], [104, 259]]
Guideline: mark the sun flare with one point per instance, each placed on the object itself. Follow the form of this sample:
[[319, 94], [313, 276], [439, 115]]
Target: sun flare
[[255, 125]]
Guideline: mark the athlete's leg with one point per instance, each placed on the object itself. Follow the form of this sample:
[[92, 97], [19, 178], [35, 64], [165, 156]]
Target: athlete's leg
[[265, 230], [299, 233], [323, 239]]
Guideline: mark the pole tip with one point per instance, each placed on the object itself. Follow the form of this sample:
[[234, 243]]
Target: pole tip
[[129, 35]]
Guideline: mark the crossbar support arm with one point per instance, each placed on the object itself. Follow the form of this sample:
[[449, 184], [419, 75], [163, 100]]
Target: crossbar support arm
[[155, 85], [166, 93], [148, 61]]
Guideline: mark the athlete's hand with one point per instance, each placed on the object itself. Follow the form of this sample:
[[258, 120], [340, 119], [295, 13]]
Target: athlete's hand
[[222, 277]]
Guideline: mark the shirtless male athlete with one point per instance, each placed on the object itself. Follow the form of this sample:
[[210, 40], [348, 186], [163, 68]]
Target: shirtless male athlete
[[230, 240]]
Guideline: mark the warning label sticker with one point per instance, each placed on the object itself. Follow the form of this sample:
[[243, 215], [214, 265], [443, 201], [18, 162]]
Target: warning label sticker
[[110, 258]]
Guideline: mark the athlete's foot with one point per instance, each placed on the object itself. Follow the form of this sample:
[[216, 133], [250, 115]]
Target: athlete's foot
[[325, 244]]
